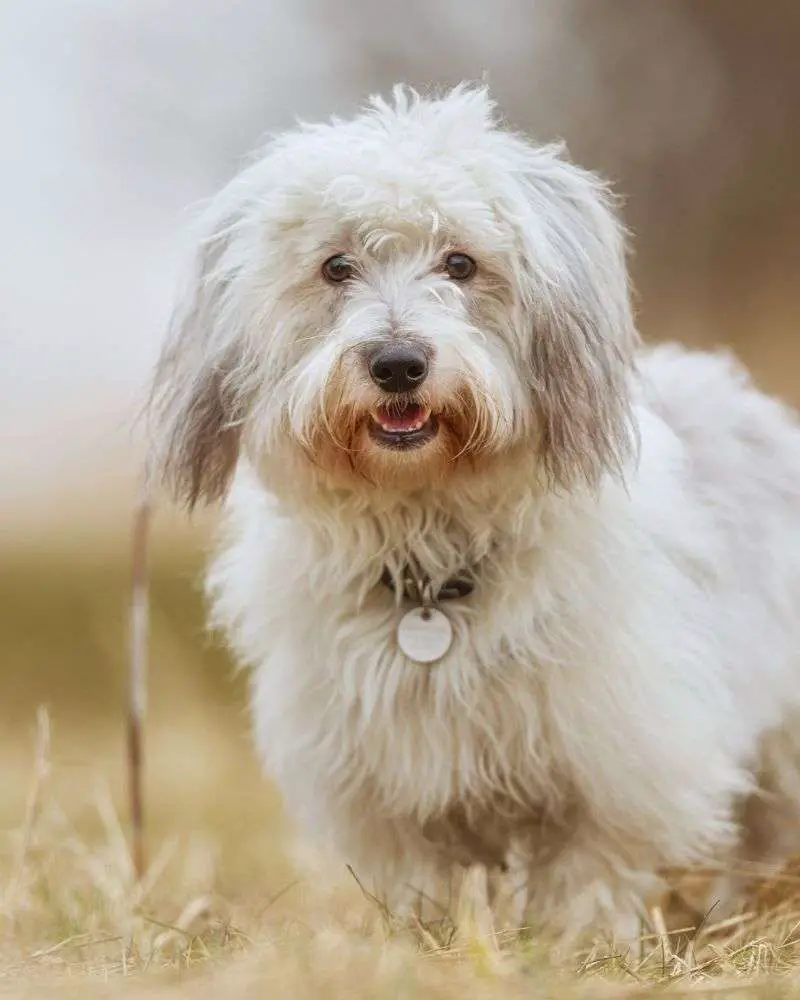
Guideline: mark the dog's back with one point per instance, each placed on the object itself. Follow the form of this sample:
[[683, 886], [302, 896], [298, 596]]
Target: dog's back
[[742, 453]]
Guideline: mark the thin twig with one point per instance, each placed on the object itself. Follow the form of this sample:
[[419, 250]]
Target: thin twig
[[137, 680]]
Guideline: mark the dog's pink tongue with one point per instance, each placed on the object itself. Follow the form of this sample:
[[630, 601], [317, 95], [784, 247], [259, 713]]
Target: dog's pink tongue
[[408, 419]]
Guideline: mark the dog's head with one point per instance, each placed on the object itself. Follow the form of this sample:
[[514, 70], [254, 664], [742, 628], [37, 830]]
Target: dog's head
[[397, 297]]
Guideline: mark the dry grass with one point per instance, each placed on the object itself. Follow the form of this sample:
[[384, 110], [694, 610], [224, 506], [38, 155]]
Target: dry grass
[[230, 905], [74, 918]]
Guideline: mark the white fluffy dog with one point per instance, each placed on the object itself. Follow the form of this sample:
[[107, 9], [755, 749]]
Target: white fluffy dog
[[514, 591]]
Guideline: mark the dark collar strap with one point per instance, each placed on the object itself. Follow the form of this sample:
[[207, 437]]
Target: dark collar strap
[[451, 590]]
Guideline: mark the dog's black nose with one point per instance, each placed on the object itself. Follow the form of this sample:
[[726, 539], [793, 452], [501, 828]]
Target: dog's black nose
[[398, 367]]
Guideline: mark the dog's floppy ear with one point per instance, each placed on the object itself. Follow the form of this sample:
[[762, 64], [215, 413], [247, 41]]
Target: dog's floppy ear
[[197, 402], [576, 299]]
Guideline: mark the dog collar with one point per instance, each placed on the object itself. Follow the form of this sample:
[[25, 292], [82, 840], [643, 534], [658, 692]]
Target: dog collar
[[425, 633], [419, 589]]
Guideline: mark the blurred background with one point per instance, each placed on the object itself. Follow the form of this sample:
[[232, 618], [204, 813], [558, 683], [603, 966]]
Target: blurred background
[[117, 117]]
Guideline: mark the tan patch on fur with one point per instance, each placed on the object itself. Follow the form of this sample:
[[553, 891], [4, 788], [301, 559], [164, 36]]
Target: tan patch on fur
[[341, 445]]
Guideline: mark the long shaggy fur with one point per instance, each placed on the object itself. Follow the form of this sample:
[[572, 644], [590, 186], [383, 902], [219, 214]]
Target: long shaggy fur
[[623, 688]]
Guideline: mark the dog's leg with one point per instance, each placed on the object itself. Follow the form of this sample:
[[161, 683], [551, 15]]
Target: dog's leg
[[518, 883], [409, 875], [769, 819], [586, 884]]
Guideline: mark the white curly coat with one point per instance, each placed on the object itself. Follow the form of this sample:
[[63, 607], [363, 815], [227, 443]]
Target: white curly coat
[[622, 692]]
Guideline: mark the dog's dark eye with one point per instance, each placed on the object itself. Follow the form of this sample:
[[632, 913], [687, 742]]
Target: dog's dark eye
[[460, 266], [337, 268]]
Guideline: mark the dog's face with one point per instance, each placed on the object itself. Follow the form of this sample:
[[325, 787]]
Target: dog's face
[[397, 297]]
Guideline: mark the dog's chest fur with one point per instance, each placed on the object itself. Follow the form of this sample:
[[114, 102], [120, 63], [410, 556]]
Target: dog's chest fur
[[464, 747], [464, 743], [466, 730], [470, 748]]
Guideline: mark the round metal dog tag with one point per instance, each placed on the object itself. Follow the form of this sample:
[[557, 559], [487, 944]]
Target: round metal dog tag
[[424, 634]]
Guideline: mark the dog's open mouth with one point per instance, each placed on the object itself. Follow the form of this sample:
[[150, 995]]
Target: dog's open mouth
[[409, 426]]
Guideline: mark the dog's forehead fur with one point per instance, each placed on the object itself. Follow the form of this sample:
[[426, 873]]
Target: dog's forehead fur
[[415, 167]]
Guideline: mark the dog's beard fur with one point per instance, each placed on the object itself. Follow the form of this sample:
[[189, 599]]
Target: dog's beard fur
[[340, 440]]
